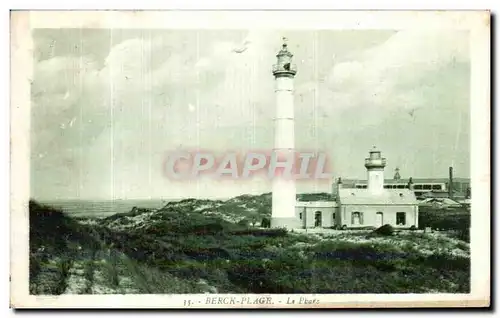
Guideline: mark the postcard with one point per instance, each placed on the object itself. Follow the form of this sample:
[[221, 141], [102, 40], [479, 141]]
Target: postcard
[[250, 159]]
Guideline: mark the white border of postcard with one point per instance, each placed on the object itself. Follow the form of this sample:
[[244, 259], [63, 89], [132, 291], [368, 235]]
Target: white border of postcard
[[477, 22]]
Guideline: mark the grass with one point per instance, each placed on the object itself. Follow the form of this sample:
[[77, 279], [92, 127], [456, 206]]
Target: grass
[[182, 250], [89, 275]]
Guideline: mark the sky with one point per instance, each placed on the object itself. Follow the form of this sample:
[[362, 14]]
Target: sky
[[108, 104]]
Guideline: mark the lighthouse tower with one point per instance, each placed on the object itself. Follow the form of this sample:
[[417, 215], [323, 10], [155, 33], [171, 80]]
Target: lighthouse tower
[[375, 165], [284, 190]]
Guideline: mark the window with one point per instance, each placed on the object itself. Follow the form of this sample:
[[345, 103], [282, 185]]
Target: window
[[436, 187], [300, 215], [317, 219], [357, 218], [427, 187], [379, 219], [417, 187], [400, 218]]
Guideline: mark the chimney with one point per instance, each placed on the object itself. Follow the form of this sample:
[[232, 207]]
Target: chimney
[[337, 187], [450, 184], [410, 184]]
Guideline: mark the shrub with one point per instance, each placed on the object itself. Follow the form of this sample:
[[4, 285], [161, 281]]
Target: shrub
[[384, 230], [244, 222], [453, 219], [258, 232], [266, 223], [205, 254], [464, 235], [204, 229]]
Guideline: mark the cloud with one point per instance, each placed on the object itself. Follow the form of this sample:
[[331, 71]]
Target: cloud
[[395, 75], [402, 61], [400, 95], [133, 106], [152, 93]]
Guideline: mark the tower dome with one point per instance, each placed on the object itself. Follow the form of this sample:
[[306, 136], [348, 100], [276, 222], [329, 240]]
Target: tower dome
[[284, 66], [375, 165], [375, 160]]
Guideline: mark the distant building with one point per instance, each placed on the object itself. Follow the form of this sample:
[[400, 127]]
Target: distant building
[[461, 186]]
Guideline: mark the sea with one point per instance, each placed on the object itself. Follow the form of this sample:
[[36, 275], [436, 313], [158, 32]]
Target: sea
[[102, 208]]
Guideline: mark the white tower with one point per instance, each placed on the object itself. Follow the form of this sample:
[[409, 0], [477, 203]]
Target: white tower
[[375, 165], [284, 191]]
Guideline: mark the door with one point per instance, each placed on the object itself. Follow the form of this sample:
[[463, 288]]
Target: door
[[318, 219], [379, 219], [400, 218]]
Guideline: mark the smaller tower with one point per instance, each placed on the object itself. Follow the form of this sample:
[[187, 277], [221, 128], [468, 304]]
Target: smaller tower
[[375, 165]]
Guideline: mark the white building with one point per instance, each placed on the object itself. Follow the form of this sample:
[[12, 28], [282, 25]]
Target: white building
[[359, 208]]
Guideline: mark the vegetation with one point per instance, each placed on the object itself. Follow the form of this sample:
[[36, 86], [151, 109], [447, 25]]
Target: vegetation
[[187, 248], [385, 230], [456, 220]]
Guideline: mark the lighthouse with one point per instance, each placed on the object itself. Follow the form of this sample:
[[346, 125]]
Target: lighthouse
[[375, 165], [283, 188]]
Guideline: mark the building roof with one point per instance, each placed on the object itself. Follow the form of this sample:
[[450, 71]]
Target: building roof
[[316, 204], [415, 180], [439, 201], [386, 197], [442, 194]]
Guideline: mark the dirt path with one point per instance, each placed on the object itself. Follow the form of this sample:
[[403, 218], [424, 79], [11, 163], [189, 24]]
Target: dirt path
[[99, 274], [76, 282]]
